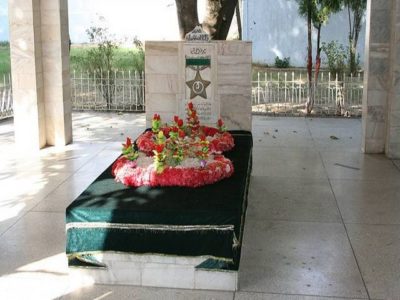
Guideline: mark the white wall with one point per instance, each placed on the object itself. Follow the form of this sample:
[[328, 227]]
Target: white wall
[[276, 29]]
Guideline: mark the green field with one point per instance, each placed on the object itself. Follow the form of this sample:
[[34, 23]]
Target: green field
[[125, 59], [4, 61]]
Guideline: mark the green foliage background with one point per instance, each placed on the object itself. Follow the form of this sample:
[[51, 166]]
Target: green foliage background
[[125, 59], [5, 65]]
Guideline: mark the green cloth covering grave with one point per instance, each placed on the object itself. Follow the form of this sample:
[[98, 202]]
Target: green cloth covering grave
[[204, 221]]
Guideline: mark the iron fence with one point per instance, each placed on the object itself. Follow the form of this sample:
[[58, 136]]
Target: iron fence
[[108, 91], [273, 92], [276, 92], [6, 100]]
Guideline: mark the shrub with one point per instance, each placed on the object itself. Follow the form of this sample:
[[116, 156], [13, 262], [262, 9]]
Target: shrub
[[336, 55], [4, 44], [100, 60], [282, 63], [138, 56]]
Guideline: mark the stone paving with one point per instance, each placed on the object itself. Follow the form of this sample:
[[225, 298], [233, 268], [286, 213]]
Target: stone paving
[[323, 220]]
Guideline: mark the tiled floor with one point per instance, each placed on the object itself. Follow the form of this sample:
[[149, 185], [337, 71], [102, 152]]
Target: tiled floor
[[323, 220]]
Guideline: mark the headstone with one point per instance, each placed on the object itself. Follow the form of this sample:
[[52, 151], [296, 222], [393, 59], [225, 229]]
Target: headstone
[[199, 76], [214, 75]]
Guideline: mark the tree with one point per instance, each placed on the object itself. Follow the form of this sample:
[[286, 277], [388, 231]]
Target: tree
[[100, 60], [317, 13], [307, 9], [356, 10], [217, 21], [323, 10], [187, 16], [238, 21]]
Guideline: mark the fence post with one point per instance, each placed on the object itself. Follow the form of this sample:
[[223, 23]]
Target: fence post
[[279, 92], [95, 88], [293, 90], [338, 102], [142, 81], [123, 88], [267, 96], [2, 98], [137, 91], [285, 87], [300, 89], [322, 90], [258, 88], [130, 88]]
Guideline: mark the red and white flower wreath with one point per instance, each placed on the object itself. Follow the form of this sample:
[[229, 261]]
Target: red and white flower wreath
[[176, 155]]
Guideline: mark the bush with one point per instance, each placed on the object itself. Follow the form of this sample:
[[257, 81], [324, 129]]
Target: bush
[[282, 63], [101, 60], [336, 55]]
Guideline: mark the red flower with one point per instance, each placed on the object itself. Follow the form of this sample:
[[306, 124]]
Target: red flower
[[190, 105], [176, 119], [128, 143], [210, 131], [174, 129], [156, 117], [180, 123], [220, 123], [181, 134], [159, 148], [166, 131]]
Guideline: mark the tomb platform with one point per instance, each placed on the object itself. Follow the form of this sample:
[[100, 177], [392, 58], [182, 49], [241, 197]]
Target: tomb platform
[[175, 237]]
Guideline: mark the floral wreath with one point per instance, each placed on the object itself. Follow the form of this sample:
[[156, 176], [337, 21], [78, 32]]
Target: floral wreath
[[176, 155]]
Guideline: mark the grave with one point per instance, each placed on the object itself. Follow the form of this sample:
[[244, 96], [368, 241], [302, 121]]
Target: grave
[[176, 237]]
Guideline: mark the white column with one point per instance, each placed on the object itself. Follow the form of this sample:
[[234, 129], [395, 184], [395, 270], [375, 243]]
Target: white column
[[27, 74], [376, 79], [40, 71], [56, 73], [393, 128]]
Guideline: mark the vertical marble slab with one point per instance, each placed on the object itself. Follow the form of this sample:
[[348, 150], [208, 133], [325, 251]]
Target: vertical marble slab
[[161, 81], [377, 76], [393, 128], [40, 69], [381, 103], [56, 73], [27, 74], [199, 82], [234, 83]]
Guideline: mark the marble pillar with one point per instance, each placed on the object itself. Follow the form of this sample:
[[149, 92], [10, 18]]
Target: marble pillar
[[40, 71], [393, 128], [381, 108]]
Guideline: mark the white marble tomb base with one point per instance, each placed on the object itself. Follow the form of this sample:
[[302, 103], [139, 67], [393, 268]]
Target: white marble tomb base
[[157, 271]]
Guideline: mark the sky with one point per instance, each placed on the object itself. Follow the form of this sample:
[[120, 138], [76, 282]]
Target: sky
[[145, 19], [3, 20]]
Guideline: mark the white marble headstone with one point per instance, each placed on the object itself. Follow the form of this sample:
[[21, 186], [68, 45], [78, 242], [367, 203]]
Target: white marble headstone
[[215, 76], [199, 70]]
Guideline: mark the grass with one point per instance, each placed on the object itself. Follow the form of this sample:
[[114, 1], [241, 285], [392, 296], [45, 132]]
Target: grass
[[5, 66], [125, 59]]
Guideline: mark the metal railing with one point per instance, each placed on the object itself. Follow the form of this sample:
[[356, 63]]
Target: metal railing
[[277, 92], [273, 92], [6, 100], [108, 91]]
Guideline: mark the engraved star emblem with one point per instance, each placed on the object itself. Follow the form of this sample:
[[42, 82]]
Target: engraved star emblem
[[198, 86]]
